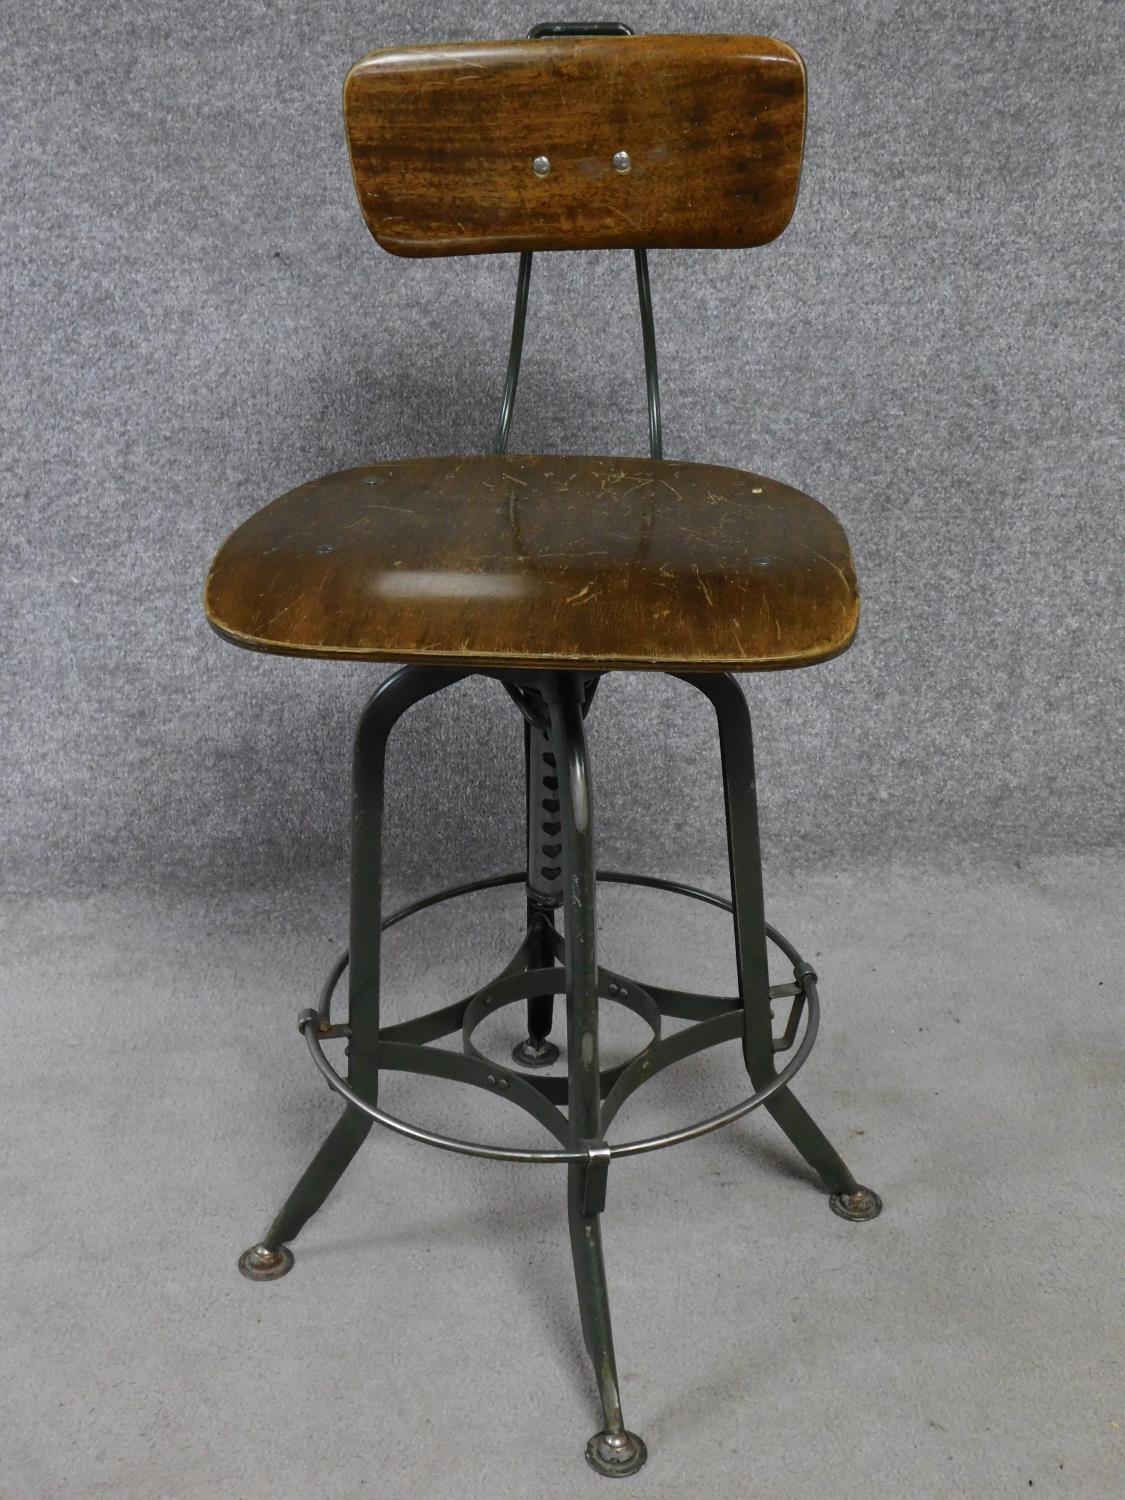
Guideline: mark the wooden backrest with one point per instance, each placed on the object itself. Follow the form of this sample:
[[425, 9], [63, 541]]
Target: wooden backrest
[[488, 146]]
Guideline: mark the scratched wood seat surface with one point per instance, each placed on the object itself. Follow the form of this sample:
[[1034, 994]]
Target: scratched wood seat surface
[[524, 560], [557, 142]]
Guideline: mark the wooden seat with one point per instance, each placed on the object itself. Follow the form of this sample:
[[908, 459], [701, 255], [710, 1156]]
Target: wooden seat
[[532, 561]]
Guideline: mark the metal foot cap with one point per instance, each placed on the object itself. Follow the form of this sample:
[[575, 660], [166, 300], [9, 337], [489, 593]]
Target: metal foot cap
[[532, 1053], [616, 1454], [260, 1263], [863, 1204]]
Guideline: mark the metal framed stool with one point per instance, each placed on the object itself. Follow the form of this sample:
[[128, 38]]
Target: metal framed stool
[[547, 574]]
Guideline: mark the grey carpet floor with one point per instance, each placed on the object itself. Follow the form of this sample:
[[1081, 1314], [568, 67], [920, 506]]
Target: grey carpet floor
[[157, 1104]]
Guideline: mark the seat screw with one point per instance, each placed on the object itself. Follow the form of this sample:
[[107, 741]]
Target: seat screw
[[622, 162], [541, 165]]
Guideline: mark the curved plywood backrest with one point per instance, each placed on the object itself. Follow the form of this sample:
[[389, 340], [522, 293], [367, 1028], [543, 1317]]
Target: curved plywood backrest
[[577, 143]]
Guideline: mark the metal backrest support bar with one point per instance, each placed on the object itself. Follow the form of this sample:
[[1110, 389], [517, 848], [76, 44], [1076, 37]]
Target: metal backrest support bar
[[523, 285], [652, 375], [515, 355]]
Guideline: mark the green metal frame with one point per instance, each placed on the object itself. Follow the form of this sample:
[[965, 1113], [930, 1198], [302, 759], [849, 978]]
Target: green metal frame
[[548, 963]]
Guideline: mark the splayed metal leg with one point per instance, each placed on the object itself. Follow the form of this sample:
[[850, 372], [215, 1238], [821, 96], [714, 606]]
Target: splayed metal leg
[[271, 1257], [736, 743], [613, 1450]]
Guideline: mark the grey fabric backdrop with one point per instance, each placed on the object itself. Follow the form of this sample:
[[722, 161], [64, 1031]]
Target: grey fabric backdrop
[[195, 319]]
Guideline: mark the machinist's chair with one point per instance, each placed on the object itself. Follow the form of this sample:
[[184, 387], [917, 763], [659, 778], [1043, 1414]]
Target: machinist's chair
[[546, 574]]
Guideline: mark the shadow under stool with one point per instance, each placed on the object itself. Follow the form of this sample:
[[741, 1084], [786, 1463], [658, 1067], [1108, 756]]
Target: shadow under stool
[[547, 574]]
